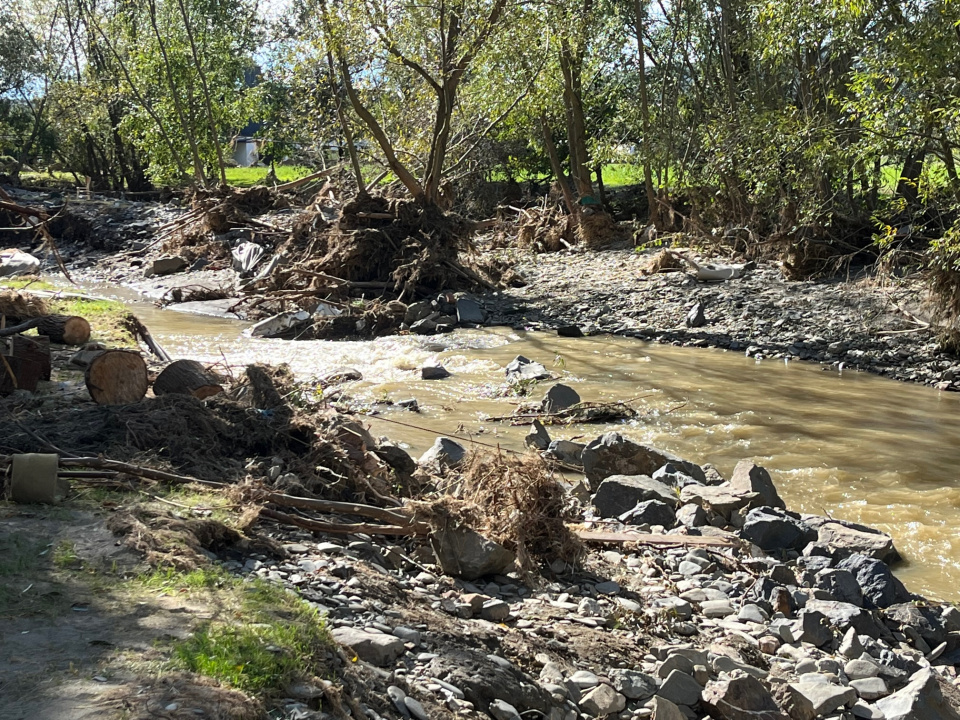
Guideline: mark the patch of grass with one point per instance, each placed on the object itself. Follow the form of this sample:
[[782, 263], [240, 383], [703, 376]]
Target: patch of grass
[[107, 318], [65, 555], [247, 176], [272, 640], [166, 579], [27, 282]]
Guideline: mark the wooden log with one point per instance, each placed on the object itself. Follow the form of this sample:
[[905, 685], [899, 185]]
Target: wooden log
[[36, 349], [117, 377], [186, 377], [24, 362], [64, 329]]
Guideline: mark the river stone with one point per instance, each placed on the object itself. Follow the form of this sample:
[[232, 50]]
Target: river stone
[[692, 515], [633, 684], [502, 710], [566, 451], [165, 266], [840, 585], [484, 681], [722, 500], [603, 700], [861, 668], [921, 699], [465, 553], [584, 679], [444, 453], [522, 369], [371, 646], [621, 493], [538, 437], [680, 688], [844, 538], [396, 457], [674, 607], [843, 615], [813, 627], [663, 709], [748, 478], [870, 688], [469, 312], [880, 588], [807, 700], [774, 529], [674, 476], [675, 662], [559, 397], [695, 317], [742, 698], [434, 372], [650, 512], [614, 454], [924, 620]]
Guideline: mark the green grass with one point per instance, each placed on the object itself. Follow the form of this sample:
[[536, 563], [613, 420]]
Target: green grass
[[247, 176], [271, 640]]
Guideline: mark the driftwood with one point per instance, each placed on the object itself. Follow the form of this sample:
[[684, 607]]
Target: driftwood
[[592, 536], [186, 377], [63, 329], [342, 528]]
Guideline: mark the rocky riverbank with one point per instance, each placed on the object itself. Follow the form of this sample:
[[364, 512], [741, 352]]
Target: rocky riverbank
[[725, 606]]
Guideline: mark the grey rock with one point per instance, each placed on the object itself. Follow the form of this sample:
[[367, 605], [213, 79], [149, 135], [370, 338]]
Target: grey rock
[[675, 662], [444, 453], [463, 552], [663, 709], [397, 697], [814, 628], [584, 679], [805, 700], [716, 608], [418, 311], [522, 369], [572, 331], [691, 515], [675, 607], [434, 372], [396, 457], [865, 711], [723, 500], [376, 648], [620, 493], [559, 397], [566, 451], [614, 454], [921, 699], [650, 512], [847, 539], [741, 698], [603, 700], [851, 647], [861, 668], [752, 613], [538, 437], [870, 688], [495, 610], [633, 684], [469, 312], [880, 588], [502, 710], [165, 266], [695, 317], [774, 529], [843, 615], [415, 708], [672, 475], [608, 587], [750, 478], [680, 689], [839, 585], [407, 634]]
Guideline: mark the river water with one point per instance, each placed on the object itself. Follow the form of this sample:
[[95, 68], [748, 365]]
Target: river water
[[854, 446]]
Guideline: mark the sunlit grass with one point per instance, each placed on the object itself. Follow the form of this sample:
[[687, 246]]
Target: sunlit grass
[[248, 176]]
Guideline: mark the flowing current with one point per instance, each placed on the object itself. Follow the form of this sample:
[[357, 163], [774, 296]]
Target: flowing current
[[850, 445]]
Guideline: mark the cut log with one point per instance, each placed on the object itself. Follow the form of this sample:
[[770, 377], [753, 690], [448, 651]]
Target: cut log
[[36, 349], [64, 329], [186, 377], [117, 377]]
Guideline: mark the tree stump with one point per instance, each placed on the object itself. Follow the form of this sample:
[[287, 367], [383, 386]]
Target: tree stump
[[64, 329], [186, 377], [117, 377], [24, 362]]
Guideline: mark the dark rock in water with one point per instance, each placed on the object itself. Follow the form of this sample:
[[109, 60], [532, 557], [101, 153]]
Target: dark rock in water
[[774, 529], [696, 318], [465, 553], [650, 512], [741, 698], [469, 312], [748, 477], [839, 585], [522, 369], [614, 454], [621, 493], [418, 311], [538, 437], [880, 588], [434, 373], [396, 457], [558, 398], [427, 326], [571, 331], [921, 699], [340, 375], [410, 404], [566, 451], [444, 453]]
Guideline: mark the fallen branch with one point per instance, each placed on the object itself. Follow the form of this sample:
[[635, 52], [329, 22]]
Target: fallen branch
[[343, 528], [309, 178], [655, 540]]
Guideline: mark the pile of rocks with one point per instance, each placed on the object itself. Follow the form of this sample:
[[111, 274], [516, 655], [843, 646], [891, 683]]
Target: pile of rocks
[[787, 617]]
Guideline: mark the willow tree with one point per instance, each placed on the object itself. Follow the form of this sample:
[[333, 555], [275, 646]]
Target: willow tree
[[412, 60]]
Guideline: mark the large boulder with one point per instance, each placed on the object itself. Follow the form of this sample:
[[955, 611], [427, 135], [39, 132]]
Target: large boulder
[[773, 529], [845, 539], [750, 478], [840, 585], [614, 454], [559, 397], [621, 493], [880, 588], [464, 552], [921, 699], [808, 700], [741, 698]]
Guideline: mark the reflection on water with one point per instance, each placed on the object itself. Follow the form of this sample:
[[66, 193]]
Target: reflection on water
[[854, 446]]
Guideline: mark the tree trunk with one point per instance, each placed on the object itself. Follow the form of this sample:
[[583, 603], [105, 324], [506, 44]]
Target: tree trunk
[[576, 124], [64, 329], [186, 377], [654, 206], [557, 168], [117, 377], [907, 184]]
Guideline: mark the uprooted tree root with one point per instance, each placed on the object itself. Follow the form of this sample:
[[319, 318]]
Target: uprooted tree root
[[515, 500]]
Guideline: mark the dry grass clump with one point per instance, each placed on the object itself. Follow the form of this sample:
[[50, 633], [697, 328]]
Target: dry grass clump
[[664, 261], [17, 305], [519, 502]]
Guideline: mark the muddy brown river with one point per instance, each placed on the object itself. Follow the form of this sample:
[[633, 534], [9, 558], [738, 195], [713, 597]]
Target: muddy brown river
[[854, 446]]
